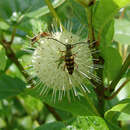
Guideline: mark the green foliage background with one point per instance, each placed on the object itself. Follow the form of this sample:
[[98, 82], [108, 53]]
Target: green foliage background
[[22, 108]]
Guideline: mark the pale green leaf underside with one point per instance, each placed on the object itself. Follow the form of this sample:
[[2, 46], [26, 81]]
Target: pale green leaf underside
[[119, 112], [122, 31]]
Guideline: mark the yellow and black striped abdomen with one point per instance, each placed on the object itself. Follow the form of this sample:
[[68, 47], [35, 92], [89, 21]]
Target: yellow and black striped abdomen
[[69, 62]]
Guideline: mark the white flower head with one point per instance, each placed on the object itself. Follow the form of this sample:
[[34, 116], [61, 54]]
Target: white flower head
[[50, 66]]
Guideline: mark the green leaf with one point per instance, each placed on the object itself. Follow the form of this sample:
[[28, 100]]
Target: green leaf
[[125, 92], [52, 126], [2, 123], [37, 25], [122, 31], [107, 35], [70, 10], [3, 59], [31, 105], [128, 73], [76, 8], [15, 12], [44, 10], [4, 25], [112, 126], [105, 11], [11, 8], [10, 86], [113, 63], [77, 106], [120, 112], [18, 54], [26, 122], [88, 123], [122, 3]]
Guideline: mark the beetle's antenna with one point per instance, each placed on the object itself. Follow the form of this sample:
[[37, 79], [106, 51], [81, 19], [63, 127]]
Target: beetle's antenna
[[56, 40], [83, 43]]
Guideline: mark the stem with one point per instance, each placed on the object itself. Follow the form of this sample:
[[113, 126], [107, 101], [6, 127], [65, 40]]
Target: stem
[[122, 71], [90, 28], [83, 3], [53, 12], [86, 3], [99, 87], [125, 48], [120, 49], [118, 90]]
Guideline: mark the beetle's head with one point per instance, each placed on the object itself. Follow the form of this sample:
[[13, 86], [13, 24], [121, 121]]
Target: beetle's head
[[69, 46]]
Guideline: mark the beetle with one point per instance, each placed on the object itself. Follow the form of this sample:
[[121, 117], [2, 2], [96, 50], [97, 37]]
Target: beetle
[[68, 58], [40, 35]]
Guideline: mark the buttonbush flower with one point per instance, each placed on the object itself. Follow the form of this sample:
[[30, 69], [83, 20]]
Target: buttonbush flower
[[51, 70]]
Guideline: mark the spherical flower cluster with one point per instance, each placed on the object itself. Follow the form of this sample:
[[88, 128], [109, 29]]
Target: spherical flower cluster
[[52, 71]]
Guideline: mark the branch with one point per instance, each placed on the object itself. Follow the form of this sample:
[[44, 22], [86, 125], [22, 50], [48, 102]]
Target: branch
[[11, 55], [120, 74], [117, 91], [13, 35], [55, 114]]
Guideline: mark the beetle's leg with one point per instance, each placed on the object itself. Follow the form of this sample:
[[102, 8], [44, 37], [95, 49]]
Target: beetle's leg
[[62, 57], [61, 50], [75, 54], [64, 67], [76, 65], [60, 61]]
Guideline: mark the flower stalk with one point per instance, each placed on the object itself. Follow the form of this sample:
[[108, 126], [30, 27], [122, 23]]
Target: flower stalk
[[53, 12]]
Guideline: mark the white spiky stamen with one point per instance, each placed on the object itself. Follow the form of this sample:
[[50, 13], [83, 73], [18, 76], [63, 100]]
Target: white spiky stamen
[[45, 61]]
